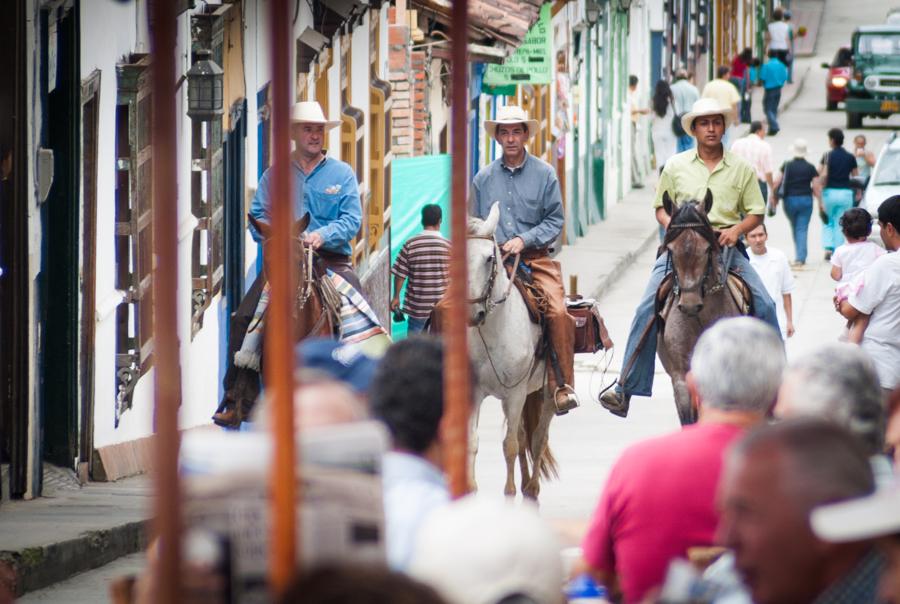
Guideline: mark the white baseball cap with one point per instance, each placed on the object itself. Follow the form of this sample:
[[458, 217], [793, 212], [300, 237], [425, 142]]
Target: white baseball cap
[[479, 550], [859, 519]]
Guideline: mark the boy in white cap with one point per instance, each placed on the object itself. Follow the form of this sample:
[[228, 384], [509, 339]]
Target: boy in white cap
[[738, 208]]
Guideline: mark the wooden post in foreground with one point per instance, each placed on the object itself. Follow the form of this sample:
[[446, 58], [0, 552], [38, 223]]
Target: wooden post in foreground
[[457, 386], [167, 377], [279, 366]]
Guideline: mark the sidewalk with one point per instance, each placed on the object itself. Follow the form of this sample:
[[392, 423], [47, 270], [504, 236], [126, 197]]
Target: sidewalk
[[49, 539]]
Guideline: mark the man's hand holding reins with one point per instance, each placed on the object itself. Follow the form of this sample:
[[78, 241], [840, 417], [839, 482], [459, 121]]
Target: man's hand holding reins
[[513, 246], [314, 240], [729, 237]]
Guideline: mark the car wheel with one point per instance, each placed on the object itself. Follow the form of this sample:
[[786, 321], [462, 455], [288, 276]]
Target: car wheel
[[854, 120], [832, 106]]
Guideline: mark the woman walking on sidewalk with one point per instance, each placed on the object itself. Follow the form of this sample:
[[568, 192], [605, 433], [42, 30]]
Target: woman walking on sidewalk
[[795, 184], [835, 170]]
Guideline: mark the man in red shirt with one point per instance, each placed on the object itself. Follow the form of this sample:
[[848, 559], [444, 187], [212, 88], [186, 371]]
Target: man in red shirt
[[659, 500]]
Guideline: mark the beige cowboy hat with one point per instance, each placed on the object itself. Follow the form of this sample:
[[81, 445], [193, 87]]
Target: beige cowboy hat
[[510, 114], [702, 108], [798, 148], [311, 112]]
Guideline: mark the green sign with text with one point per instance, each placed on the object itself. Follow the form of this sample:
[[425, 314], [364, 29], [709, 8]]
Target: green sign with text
[[532, 61]]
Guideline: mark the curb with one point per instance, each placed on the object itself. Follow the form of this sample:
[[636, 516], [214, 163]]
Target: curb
[[34, 568], [623, 264], [797, 90]]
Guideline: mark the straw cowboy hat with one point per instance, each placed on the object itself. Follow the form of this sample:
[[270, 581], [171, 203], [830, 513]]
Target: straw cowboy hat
[[798, 149], [311, 113], [510, 114], [702, 108]]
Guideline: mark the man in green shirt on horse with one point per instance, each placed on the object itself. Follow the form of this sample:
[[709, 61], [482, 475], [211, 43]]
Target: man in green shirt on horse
[[738, 208]]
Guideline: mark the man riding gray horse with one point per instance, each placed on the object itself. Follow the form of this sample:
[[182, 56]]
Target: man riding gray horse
[[531, 219], [738, 208], [324, 187]]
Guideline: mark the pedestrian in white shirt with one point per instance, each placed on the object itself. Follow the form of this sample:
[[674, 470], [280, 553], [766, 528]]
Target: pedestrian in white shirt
[[758, 154], [772, 266], [879, 298], [778, 37]]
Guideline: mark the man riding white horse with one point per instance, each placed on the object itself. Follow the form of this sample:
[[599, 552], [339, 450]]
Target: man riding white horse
[[324, 187], [531, 219], [738, 208]]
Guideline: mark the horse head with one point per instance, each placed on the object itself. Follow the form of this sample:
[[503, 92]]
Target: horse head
[[483, 258], [693, 250], [298, 247]]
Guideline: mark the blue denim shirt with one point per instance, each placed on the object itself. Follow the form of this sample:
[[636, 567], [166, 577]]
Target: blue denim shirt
[[331, 196], [530, 200]]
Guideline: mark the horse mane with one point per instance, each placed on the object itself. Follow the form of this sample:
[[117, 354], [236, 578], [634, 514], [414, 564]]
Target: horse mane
[[689, 213]]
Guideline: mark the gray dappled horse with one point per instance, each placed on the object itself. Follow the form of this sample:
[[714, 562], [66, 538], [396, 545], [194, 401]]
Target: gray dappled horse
[[695, 296], [503, 344]]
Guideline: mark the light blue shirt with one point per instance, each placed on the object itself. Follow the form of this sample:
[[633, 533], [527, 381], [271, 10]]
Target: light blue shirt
[[331, 196], [413, 488], [773, 74], [530, 200]]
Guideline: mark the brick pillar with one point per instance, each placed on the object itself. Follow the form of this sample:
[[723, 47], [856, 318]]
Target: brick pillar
[[419, 106], [399, 76]]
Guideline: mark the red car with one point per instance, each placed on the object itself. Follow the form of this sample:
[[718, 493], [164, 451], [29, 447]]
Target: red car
[[839, 73]]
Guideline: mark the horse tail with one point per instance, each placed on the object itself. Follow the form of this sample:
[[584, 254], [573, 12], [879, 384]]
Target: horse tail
[[531, 416]]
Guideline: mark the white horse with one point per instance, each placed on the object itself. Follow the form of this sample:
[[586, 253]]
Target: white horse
[[503, 343]]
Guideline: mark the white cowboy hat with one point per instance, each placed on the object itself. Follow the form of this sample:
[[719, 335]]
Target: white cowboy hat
[[798, 149], [702, 108], [858, 519], [310, 112], [510, 114]]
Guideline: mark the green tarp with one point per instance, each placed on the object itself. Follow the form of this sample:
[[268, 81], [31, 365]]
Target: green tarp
[[416, 181]]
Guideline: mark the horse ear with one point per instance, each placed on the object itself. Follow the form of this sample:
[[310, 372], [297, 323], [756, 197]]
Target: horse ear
[[668, 206], [493, 218], [707, 202], [263, 228], [300, 225]]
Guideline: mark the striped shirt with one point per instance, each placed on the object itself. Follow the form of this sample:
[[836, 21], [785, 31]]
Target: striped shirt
[[424, 262]]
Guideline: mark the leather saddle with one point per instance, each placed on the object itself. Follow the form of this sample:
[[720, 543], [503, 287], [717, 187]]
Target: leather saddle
[[736, 287]]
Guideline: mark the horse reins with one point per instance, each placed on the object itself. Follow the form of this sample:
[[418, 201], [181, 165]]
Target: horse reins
[[485, 297]]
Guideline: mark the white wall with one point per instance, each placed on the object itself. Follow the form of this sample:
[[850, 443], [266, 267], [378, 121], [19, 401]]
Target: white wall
[[109, 31]]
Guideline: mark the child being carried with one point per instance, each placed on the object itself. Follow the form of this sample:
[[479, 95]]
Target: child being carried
[[850, 261]]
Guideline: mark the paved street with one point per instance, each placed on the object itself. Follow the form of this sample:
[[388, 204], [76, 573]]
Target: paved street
[[587, 441]]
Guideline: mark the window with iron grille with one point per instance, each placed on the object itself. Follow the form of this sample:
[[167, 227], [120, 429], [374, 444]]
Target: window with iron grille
[[134, 234]]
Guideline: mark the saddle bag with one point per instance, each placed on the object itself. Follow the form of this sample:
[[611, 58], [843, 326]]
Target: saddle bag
[[590, 330]]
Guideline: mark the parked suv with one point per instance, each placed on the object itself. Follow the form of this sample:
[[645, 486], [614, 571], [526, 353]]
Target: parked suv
[[874, 89], [885, 180]]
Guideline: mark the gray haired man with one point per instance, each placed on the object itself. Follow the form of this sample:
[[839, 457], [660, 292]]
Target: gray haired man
[[838, 382], [659, 500]]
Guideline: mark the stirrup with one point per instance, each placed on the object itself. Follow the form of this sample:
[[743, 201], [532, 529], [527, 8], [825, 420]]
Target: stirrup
[[566, 404]]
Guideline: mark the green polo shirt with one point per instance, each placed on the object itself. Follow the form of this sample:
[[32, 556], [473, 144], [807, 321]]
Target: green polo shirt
[[733, 183]]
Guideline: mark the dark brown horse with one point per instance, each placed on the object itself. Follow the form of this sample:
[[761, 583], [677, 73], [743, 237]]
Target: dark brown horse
[[310, 317], [695, 295]]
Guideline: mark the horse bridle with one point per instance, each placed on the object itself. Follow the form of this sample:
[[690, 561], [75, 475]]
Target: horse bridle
[[305, 287], [677, 289], [485, 297]]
